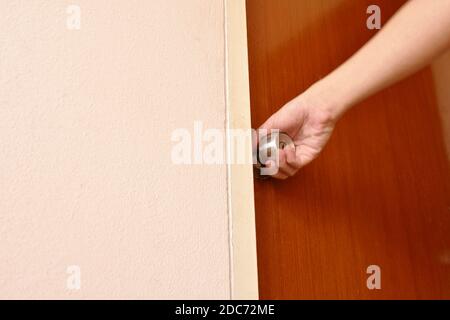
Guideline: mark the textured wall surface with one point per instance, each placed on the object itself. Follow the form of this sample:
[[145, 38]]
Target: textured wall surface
[[85, 171]]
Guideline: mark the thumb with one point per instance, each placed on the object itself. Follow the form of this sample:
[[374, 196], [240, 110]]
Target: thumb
[[268, 124]]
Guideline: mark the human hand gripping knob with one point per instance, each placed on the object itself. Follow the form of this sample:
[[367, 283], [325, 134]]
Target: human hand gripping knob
[[309, 122], [414, 36]]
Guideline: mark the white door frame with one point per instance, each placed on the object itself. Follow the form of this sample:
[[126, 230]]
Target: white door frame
[[244, 273]]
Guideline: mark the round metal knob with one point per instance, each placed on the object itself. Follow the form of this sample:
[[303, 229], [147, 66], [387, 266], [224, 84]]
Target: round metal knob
[[268, 149]]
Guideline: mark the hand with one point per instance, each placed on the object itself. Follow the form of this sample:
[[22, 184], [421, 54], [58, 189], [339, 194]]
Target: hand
[[309, 122]]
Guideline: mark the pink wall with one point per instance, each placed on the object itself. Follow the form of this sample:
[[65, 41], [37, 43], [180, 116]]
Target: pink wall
[[86, 177]]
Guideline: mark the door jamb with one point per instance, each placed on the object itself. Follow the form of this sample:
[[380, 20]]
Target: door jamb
[[244, 273]]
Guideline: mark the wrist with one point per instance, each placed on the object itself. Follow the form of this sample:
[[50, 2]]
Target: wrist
[[328, 97]]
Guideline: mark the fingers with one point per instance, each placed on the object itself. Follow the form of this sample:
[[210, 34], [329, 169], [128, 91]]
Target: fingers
[[268, 124], [285, 167], [288, 164], [280, 174], [292, 158]]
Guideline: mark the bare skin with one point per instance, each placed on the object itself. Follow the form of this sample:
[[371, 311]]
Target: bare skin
[[412, 38]]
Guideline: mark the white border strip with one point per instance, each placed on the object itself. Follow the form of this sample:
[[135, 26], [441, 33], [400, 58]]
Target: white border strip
[[243, 265]]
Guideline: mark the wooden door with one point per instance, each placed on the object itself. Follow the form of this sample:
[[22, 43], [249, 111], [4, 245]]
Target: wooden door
[[379, 192]]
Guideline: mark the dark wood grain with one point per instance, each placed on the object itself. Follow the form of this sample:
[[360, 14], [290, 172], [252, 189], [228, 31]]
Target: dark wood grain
[[378, 194]]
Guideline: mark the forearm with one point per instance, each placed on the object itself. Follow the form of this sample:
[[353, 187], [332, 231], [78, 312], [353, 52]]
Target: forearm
[[417, 33]]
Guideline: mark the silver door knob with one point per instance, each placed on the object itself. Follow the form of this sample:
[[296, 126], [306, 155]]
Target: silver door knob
[[267, 149]]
